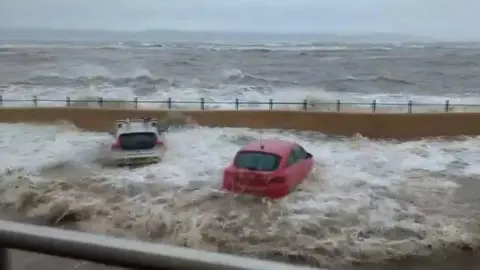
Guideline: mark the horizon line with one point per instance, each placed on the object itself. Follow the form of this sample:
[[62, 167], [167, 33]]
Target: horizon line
[[209, 31]]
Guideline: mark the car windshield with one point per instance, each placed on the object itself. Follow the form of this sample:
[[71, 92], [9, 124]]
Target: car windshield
[[138, 140], [258, 161]]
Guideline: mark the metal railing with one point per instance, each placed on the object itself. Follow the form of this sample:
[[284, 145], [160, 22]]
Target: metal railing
[[118, 252], [204, 104]]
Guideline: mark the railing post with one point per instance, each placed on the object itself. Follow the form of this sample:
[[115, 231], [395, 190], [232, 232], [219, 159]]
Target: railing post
[[202, 103], [236, 104], [67, 101], [100, 101], [338, 105], [305, 104], [35, 101], [374, 106], [270, 104], [135, 102], [410, 104], [169, 103], [447, 105], [4, 259], [1, 100]]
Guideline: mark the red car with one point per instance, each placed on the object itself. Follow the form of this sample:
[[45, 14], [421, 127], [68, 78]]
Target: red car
[[269, 168]]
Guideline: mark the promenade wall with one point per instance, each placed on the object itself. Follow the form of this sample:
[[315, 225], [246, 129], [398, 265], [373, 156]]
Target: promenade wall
[[372, 125]]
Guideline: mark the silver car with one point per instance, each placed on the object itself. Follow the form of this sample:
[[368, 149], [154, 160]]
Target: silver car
[[137, 141]]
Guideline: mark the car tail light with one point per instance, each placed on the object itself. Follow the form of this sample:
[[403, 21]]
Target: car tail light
[[159, 142], [278, 180], [115, 145], [227, 174]]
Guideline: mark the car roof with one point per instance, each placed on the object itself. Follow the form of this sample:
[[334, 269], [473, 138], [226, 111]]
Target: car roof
[[135, 126], [279, 147]]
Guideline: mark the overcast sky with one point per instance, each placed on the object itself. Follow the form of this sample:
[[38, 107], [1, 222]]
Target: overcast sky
[[432, 18]]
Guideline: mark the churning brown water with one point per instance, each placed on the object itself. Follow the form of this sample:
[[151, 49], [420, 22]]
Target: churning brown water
[[367, 201]]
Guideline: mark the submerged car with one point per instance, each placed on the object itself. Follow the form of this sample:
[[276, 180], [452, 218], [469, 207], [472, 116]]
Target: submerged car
[[268, 168], [137, 141]]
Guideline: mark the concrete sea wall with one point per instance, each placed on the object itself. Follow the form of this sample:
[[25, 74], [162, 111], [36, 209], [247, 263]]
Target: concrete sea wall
[[372, 125]]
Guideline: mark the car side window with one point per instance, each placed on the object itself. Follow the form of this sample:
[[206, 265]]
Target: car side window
[[300, 153], [291, 158], [295, 156]]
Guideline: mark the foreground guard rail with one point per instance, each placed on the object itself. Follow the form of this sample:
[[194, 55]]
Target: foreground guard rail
[[118, 252]]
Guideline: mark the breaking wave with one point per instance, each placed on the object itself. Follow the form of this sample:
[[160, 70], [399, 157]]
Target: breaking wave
[[83, 81], [379, 79]]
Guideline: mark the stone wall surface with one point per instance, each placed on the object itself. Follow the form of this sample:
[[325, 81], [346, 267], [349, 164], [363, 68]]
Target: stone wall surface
[[372, 125]]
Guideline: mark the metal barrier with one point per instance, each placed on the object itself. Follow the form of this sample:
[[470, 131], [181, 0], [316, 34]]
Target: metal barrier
[[118, 252], [202, 104]]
